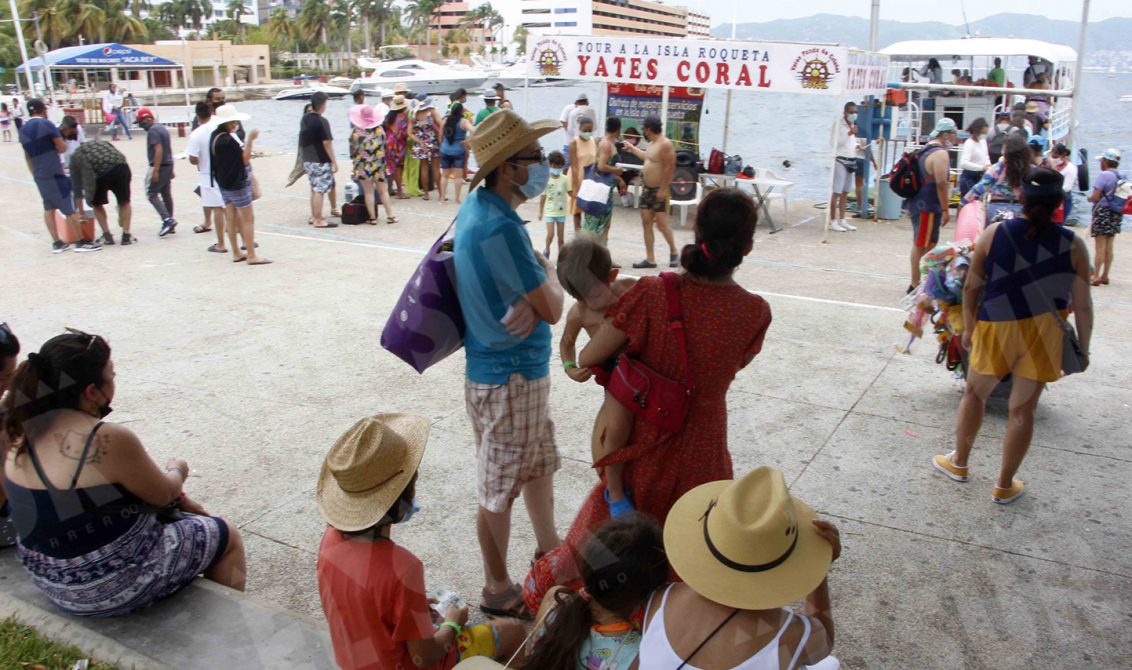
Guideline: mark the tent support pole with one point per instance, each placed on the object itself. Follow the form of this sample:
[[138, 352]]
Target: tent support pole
[[664, 112]]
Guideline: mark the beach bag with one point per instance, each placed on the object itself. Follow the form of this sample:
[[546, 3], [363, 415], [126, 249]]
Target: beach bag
[[354, 213], [906, 176], [593, 194], [657, 399], [1124, 190], [716, 162], [733, 165], [427, 323]]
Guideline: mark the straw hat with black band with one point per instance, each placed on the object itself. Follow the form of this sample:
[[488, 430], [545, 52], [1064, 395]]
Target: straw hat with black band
[[367, 469], [746, 543], [398, 103], [501, 136]]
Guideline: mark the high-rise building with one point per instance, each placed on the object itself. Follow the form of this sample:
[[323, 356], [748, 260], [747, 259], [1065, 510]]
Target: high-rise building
[[606, 17], [699, 24]]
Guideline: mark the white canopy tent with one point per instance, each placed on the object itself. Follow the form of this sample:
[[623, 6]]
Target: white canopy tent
[[111, 57]]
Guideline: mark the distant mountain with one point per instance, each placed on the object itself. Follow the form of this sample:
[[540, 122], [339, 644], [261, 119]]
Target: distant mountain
[[1107, 35]]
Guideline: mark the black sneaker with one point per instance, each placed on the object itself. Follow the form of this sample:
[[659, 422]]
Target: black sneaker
[[673, 260], [106, 240], [86, 245], [128, 239], [644, 265], [59, 246], [168, 227]]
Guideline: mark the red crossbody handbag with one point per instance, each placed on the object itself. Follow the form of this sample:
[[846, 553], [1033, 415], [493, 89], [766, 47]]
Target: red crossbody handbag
[[657, 399]]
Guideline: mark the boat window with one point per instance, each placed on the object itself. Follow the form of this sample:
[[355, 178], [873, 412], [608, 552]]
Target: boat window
[[396, 73]]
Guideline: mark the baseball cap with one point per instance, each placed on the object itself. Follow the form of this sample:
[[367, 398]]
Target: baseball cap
[[944, 125], [582, 97], [499, 86], [143, 113], [1111, 155], [35, 106]]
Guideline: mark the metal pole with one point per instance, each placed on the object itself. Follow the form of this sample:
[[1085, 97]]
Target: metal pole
[[664, 112], [1077, 73], [23, 45], [727, 106], [48, 85], [874, 25]]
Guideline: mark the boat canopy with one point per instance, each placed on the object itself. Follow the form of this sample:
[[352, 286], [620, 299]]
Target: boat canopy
[[980, 46]]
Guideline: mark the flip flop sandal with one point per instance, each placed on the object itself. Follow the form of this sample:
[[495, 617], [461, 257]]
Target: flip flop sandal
[[507, 604], [201, 229], [216, 250], [262, 261], [243, 248], [240, 260], [328, 225], [390, 219], [335, 212]]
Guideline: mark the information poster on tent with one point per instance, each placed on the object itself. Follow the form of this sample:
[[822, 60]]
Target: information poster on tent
[[774, 67], [633, 102]]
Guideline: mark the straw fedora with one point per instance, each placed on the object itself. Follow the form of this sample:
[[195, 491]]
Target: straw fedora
[[227, 113], [746, 543], [398, 103], [368, 468], [364, 117], [400, 87], [502, 135]]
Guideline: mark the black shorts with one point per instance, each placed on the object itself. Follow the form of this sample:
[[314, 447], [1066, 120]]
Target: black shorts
[[116, 180]]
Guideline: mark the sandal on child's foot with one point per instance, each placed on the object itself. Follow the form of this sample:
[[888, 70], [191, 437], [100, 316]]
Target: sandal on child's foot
[[507, 604], [619, 507]]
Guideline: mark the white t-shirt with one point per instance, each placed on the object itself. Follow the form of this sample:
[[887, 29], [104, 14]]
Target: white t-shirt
[[571, 115], [974, 155], [1069, 173], [846, 142], [111, 101], [197, 147], [382, 110]]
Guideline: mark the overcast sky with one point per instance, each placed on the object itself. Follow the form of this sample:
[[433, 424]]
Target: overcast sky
[[906, 10]]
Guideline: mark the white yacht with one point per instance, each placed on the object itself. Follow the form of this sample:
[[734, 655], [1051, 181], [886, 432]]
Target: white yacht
[[418, 75]]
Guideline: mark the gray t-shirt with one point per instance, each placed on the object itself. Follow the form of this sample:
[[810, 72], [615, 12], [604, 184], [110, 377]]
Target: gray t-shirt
[[38, 138], [158, 134]]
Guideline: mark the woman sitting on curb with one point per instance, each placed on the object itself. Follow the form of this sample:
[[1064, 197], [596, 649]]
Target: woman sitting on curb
[[99, 527], [745, 549], [372, 589]]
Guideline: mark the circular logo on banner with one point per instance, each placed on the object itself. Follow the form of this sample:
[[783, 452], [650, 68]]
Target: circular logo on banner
[[106, 51], [549, 55], [816, 68]]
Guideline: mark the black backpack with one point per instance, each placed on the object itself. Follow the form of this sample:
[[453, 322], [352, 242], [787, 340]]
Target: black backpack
[[906, 176]]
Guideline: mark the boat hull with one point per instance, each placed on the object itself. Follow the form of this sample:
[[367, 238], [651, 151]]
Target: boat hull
[[427, 85]]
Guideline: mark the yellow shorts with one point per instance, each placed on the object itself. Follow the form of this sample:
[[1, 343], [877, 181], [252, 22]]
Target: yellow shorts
[[1029, 348], [478, 640]]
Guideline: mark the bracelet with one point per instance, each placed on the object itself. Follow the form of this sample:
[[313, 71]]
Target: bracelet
[[569, 364], [184, 475], [454, 626]]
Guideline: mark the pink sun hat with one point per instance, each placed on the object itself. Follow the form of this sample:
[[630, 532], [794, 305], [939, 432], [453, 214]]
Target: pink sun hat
[[364, 117]]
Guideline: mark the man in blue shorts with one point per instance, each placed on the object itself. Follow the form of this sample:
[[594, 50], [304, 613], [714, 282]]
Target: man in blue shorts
[[43, 145], [930, 207]]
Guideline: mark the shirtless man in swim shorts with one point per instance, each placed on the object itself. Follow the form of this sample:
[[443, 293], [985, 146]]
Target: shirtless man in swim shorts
[[660, 165]]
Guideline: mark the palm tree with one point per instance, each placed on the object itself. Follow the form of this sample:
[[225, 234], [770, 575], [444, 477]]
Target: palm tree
[[122, 26], [341, 17], [282, 28], [54, 24], [314, 19], [520, 36], [420, 18], [196, 11], [486, 19], [138, 6], [88, 21], [384, 12], [236, 9]]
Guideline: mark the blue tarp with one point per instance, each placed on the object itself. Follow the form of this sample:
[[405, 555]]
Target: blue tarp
[[100, 56]]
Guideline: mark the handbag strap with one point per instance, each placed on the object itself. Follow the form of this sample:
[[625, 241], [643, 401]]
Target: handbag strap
[[1050, 304], [676, 319]]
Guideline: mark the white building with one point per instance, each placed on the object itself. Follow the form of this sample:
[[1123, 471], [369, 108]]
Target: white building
[[612, 17], [220, 13]]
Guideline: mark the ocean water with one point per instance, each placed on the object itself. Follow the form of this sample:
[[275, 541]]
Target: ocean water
[[766, 128]]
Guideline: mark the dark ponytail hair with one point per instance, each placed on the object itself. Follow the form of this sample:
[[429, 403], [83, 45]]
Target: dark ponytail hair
[[725, 226], [53, 379], [1017, 157], [621, 564], [452, 123], [1041, 195]]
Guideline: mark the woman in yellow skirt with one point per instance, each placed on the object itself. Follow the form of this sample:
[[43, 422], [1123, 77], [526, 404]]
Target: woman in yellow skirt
[[1025, 274]]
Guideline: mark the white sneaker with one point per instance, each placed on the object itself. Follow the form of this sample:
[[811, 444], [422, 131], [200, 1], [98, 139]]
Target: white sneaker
[[625, 200], [835, 224], [848, 226]]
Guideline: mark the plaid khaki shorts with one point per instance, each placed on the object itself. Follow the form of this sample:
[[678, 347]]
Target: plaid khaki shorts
[[514, 437]]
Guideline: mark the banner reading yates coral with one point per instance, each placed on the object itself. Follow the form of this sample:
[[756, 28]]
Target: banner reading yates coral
[[779, 67]]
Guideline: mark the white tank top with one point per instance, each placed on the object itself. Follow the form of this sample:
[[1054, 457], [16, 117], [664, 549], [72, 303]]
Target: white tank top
[[656, 652]]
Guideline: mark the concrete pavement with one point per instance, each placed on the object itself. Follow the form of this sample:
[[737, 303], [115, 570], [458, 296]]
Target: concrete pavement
[[250, 373]]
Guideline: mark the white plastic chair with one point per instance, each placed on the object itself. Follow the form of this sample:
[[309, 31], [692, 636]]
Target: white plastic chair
[[684, 205], [780, 192]]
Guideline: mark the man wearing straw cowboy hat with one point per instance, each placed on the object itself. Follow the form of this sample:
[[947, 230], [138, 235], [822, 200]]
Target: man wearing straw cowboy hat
[[509, 298], [372, 590]]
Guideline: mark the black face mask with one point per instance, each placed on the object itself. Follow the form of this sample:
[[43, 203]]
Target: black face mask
[[105, 408]]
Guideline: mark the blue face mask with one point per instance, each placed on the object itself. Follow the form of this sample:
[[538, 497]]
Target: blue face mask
[[408, 514], [555, 172], [852, 117], [537, 177]]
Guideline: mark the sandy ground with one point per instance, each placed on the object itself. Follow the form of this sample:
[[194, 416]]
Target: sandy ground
[[251, 374]]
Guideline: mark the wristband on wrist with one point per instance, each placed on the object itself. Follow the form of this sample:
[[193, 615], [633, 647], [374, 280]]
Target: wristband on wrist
[[569, 364], [454, 626], [184, 475]]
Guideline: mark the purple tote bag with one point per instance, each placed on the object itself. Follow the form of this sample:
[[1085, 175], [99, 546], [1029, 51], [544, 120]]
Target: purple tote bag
[[427, 324]]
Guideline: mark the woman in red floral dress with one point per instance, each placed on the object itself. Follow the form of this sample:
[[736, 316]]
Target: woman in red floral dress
[[725, 326]]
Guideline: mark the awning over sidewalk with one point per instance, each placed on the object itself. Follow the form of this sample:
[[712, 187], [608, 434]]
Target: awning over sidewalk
[[100, 56]]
